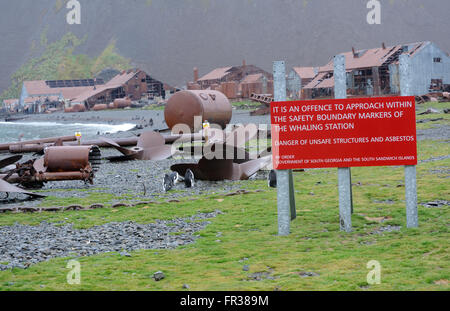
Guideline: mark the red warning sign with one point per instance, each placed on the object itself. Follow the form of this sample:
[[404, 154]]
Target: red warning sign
[[344, 132]]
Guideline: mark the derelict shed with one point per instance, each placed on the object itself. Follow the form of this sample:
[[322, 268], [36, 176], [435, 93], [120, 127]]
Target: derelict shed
[[430, 70], [134, 84], [36, 93], [299, 77], [235, 82], [375, 72]]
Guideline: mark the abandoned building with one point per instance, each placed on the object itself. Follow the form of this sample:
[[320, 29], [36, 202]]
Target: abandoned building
[[299, 77], [35, 93], [375, 72], [235, 82], [47, 96], [134, 84]]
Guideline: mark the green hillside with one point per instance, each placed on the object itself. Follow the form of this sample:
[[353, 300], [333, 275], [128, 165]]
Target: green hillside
[[59, 62]]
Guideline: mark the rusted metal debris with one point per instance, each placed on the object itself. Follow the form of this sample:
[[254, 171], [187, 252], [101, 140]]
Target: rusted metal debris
[[52, 140], [216, 170], [8, 188], [38, 146], [150, 146], [234, 165], [58, 164], [265, 99], [436, 97], [184, 106]]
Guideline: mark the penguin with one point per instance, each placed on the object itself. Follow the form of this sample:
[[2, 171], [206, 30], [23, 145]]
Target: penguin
[[167, 183], [189, 179]]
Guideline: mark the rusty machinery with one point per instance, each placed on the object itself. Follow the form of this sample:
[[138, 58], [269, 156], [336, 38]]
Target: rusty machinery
[[214, 106], [58, 163], [150, 146], [233, 162]]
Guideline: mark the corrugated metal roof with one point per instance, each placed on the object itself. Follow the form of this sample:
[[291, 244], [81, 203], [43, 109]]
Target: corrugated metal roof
[[305, 72], [37, 88], [34, 99], [9, 102], [254, 78], [216, 74], [122, 78], [317, 79], [116, 82], [372, 57]]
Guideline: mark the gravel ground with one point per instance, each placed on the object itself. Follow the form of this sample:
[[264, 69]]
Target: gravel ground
[[133, 177], [437, 132], [132, 181], [22, 246]]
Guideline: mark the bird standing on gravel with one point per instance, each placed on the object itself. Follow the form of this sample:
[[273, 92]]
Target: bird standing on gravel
[[189, 179], [170, 180]]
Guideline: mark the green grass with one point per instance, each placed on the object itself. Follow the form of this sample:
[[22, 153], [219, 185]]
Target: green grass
[[438, 106], [411, 259], [246, 104]]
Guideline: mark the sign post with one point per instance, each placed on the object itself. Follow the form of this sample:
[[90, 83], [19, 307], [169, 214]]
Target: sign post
[[412, 217], [285, 180], [344, 173], [344, 133]]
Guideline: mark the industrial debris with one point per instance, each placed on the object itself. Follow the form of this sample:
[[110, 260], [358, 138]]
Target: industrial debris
[[225, 157], [223, 148], [150, 146], [58, 164], [266, 100], [184, 106]]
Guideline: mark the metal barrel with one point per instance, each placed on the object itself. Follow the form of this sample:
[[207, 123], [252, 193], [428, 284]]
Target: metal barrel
[[212, 106], [71, 158], [100, 107], [121, 103]]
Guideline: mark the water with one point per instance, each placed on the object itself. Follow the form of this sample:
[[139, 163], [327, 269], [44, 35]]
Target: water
[[10, 132]]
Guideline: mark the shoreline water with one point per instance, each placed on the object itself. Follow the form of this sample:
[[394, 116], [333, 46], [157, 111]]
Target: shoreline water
[[119, 123]]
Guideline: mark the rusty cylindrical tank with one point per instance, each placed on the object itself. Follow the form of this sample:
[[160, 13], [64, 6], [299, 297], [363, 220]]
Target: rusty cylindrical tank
[[75, 108], [121, 103], [100, 107], [212, 106], [71, 158]]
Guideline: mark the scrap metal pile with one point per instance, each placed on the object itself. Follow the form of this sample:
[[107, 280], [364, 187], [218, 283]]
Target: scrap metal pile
[[223, 151], [58, 163], [441, 97], [264, 99]]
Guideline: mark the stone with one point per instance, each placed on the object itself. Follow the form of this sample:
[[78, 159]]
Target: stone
[[158, 276]]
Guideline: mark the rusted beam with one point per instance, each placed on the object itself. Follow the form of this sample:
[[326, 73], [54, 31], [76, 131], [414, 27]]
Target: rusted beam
[[5, 147]]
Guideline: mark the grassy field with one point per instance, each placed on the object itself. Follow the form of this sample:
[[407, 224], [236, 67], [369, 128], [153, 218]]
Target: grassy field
[[246, 234]]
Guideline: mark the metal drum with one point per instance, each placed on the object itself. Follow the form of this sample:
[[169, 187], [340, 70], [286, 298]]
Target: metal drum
[[121, 103], [71, 158], [212, 106]]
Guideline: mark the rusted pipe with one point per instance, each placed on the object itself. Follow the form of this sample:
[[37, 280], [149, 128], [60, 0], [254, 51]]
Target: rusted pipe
[[5, 147]]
